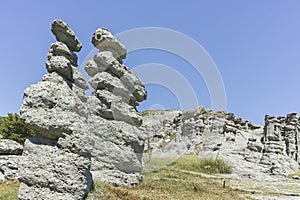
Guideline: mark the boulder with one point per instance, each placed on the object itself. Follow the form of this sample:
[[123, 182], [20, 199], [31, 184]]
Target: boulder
[[53, 173], [10, 147], [103, 39], [9, 165], [66, 35], [61, 65]]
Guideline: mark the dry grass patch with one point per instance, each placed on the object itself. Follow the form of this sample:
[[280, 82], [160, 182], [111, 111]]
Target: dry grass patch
[[9, 190]]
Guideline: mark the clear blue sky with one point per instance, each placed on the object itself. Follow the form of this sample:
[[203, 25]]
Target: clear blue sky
[[255, 45]]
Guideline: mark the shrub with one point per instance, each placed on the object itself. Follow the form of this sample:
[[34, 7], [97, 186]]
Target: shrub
[[11, 127]]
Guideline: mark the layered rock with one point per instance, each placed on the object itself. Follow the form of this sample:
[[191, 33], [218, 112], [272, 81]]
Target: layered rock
[[118, 89], [56, 161], [119, 143], [257, 152], [281, 143], [10, 155]]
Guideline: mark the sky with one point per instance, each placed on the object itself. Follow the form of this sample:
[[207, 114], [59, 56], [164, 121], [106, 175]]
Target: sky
[[255, 46]]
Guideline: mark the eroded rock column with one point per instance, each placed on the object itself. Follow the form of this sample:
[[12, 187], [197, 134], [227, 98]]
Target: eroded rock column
[[114, 121], [56, 161]]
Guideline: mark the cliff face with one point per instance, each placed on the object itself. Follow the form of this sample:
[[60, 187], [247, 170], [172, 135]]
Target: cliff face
[[259, 152]]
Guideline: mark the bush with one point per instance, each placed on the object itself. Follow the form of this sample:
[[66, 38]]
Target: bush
[[11, 127], [202, 165]]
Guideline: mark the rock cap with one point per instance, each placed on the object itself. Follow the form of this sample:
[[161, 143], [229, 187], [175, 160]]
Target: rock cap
[[65, 34]]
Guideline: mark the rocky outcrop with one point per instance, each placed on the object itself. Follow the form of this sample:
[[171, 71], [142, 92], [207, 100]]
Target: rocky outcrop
[[281, 143], [56, 161], [78, 136], [257, 152], [119, 143], [10, 154]]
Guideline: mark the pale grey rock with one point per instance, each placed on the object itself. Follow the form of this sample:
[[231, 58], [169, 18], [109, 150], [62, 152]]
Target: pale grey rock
[[10, 147], [255, 152], [2, 178], [61, 65], [111, 83], [92, 68], [51, 107], [106, 62], [77, 135], [56, 162], [66, 35], [50, 172], [134, 85], [9, 165], [105, 41], [61, 49], [79, 79], [255, 146], [117, 153]]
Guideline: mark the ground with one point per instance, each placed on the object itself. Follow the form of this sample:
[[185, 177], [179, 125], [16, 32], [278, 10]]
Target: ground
[[186, 178]]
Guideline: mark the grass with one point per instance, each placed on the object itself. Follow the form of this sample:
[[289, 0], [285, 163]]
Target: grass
[[9, 190], [203, 165], [168, 184], [173, 182]]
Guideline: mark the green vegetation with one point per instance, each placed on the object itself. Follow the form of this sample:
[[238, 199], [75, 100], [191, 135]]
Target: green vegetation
[[178, 180], [11, 127], [168, 184], [9, 190], [203, 165]]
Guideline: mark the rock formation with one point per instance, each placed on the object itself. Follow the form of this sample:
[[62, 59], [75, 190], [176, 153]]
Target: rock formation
[[78, 136], [119, 144], [257, 152], [10, 154], [56, 161], [80, 139]]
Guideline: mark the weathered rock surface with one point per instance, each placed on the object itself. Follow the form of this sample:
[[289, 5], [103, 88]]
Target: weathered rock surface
[[56, 161], [53, 173], [66, 35], [117, 88], [10, 154], [10, 147], [9, 165], [105, 41], [255, 152], [78, 136], [119, 143]]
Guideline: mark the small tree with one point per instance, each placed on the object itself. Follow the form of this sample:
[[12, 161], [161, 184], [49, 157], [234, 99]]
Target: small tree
[[11, 127]]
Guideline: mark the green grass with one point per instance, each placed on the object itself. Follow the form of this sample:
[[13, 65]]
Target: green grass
[[9, 190], [168, 184], [203, 165]]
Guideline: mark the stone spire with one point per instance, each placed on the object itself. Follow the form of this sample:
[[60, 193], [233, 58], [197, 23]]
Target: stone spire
[[118, 89], [56, 161]]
